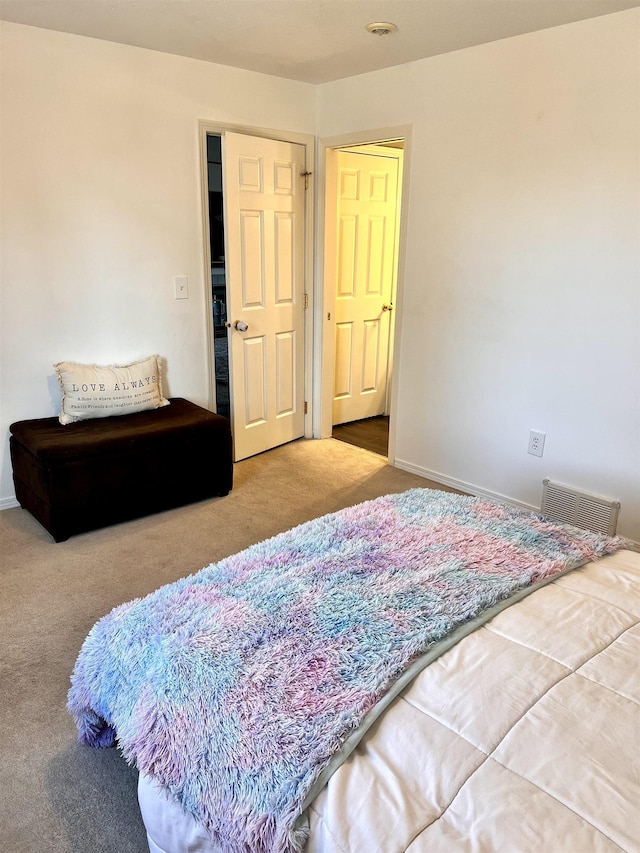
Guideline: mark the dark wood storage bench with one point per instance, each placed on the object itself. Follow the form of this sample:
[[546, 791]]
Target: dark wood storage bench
[[106, 470]]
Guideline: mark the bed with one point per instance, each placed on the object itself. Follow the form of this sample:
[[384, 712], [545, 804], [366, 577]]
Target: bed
[[509, 721]]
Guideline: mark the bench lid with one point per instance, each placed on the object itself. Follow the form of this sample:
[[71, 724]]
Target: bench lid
[[47, 439]]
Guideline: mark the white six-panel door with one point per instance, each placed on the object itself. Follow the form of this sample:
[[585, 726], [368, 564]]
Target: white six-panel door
[[365, 269], [264, 232]]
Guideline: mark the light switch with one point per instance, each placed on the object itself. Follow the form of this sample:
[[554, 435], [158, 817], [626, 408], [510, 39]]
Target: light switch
[[181, 283]]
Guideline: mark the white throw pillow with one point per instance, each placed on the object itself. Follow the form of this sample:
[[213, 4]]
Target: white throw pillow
[[94, 391]]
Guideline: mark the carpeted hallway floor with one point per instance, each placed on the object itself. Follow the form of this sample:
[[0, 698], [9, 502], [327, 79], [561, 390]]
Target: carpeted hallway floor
[[55, 795]]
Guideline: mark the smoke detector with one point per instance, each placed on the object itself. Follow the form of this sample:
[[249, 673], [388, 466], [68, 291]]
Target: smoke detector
[[381, 28]]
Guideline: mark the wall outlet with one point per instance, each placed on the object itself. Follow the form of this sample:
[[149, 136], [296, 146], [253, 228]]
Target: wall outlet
[[181, 285], [536, 442]]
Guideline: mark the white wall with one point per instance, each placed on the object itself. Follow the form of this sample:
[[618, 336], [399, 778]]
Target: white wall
[[521, 301], [101, 207]]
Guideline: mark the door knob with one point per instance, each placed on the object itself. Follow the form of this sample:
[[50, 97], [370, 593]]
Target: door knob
[[388, 307], [240, 325]]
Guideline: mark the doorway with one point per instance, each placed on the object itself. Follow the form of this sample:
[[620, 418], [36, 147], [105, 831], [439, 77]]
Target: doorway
[[364, 188], [218, 275]]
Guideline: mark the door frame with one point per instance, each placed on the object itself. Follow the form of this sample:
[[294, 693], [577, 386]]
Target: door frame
[[325, 296], [210, 128]]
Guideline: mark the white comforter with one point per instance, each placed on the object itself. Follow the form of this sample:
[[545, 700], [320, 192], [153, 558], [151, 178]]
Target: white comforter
[[523, 737]]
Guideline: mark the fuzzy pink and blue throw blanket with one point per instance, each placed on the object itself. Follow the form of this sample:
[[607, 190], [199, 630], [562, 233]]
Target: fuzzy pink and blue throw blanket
[[235, 687]]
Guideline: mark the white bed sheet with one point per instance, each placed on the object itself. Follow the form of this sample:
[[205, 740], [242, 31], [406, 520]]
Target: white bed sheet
[[525, 736]]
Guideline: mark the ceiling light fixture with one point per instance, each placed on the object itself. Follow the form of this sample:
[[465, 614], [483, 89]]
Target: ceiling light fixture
[[381, 28]]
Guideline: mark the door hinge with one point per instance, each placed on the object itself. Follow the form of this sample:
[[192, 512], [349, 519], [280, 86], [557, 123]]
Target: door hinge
[[306, 176], [306, 300], [306, 407]]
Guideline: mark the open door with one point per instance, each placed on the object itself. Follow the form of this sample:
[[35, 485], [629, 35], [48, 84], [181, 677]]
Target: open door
[[264, 188], [367, 182]]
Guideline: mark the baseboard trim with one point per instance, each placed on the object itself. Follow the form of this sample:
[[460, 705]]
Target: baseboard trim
[[8, 503], [460, 485]]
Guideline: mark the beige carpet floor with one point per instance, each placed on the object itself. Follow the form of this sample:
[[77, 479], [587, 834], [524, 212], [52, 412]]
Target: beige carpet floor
[[55, 795]]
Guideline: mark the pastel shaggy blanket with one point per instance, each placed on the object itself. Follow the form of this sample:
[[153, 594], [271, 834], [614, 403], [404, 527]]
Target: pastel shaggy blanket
[[235, 687]]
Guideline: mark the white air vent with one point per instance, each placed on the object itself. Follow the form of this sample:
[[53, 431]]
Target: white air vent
[[563, 503]]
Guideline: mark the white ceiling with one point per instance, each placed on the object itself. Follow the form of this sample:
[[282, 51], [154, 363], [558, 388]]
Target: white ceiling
[[308, 40]]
